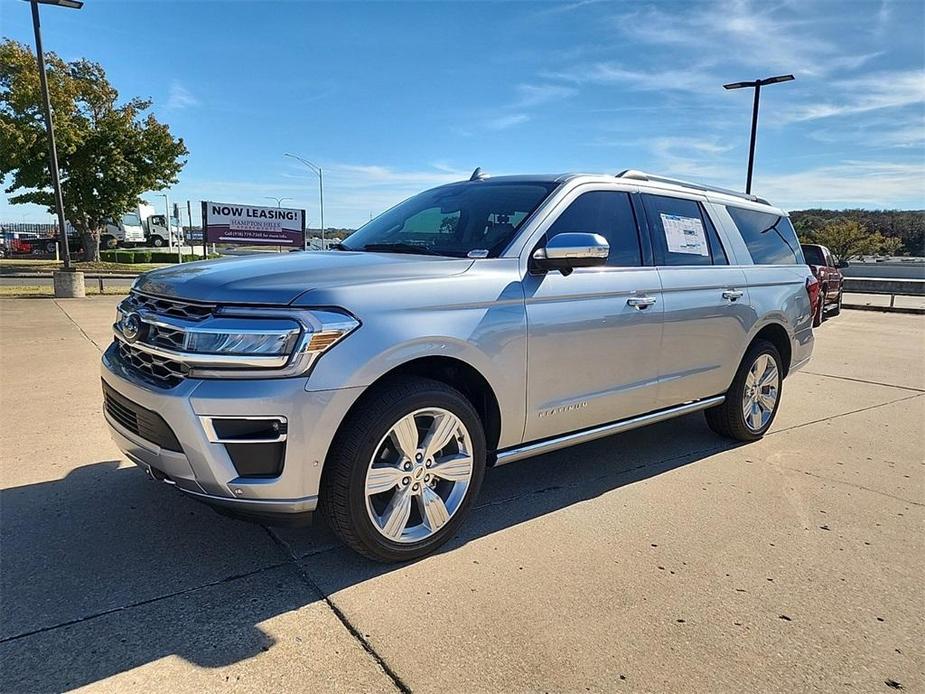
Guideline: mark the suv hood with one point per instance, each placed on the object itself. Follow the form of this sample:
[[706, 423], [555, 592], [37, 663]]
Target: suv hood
[[281, 278]]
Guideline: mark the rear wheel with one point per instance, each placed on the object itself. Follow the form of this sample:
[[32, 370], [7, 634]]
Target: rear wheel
[[837, 309], [819, 316], [403, 470], [753, 398]]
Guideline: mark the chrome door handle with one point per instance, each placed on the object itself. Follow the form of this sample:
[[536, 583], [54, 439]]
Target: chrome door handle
[[640, 302], [733, 294]]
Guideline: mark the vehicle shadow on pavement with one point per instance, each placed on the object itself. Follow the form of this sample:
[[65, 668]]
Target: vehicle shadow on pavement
[[104, 571]]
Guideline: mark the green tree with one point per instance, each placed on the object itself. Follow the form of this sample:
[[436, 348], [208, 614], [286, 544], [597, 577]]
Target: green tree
[[891, 245], [108, 153], [848, 239]]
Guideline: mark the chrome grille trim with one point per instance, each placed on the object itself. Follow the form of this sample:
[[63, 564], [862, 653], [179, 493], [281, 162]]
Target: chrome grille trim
[[162, 370], [176, 308]]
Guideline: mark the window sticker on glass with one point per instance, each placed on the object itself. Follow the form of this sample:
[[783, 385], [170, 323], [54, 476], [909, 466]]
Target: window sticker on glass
[[685, 234]]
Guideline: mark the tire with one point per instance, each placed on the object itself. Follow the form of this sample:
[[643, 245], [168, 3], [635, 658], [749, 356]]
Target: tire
[[367, 441], [837, 310], [157, 242], [729, 419], [819, 315], [108, 242]]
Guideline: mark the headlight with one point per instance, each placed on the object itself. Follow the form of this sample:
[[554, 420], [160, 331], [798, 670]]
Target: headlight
[[236, 336], [238, 342]]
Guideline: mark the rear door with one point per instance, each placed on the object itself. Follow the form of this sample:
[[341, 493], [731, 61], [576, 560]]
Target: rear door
[[706, 304], [593, 335]]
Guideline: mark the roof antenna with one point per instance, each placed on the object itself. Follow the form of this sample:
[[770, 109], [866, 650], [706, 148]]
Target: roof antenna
[[477, 175]]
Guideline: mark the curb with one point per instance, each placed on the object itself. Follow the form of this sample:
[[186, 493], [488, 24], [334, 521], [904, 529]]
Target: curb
[[885, 309]]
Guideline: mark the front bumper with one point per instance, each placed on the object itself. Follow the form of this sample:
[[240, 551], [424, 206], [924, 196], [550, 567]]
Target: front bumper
[[203, 469]]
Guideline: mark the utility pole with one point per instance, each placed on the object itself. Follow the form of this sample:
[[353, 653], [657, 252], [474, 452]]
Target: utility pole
[[49, 126], [757, 85]]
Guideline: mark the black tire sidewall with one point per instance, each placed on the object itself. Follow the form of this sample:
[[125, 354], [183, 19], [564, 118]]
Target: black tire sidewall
[[442, 397]]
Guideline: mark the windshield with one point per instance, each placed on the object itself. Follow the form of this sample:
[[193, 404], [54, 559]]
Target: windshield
[[131, 219], [475, 217]]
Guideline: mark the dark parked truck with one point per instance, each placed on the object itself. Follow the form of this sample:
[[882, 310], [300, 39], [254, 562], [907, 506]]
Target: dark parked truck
[[831, 281]]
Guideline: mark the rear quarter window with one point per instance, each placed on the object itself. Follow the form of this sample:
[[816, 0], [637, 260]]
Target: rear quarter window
[[770, 238]]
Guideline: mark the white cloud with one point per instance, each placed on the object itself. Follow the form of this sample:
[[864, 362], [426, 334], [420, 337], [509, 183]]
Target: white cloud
[[769, 36], [180, 97], [506, 121], [871, 92], [693, 79], [854, 183]]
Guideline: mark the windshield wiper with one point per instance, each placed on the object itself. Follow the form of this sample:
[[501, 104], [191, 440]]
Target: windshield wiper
[[399, 248]]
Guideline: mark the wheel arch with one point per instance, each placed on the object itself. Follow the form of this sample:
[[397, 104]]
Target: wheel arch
[[457, 374], [777, 335]]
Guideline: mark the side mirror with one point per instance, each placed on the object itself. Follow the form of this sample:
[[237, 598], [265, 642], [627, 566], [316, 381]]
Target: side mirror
[[842, 263], [565, 252]]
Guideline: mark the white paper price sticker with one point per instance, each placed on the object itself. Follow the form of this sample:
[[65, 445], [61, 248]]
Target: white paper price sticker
[[685, 235]]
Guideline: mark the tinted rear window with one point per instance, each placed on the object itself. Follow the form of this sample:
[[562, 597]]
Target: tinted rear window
[[813, 255], [770, 238]]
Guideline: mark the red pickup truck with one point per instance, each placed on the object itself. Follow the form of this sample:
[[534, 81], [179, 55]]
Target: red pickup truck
[[831, 281]]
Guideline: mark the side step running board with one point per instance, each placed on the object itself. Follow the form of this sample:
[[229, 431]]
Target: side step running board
[[548, 446]]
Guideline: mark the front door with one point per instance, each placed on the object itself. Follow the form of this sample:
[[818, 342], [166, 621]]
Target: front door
[[593, 335]]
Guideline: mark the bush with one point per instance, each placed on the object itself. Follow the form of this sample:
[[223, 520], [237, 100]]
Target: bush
[[142, 257], [125, 257], [108, 256]]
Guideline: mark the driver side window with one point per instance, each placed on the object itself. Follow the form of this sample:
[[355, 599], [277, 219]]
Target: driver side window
[[610, 214]]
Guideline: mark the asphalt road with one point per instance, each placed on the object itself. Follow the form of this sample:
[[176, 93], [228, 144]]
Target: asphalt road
[[664, 559]]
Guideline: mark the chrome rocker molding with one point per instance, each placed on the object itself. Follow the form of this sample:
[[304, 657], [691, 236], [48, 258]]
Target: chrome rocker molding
[[514, 454]]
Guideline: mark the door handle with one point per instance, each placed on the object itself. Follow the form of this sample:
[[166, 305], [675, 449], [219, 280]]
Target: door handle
[[733, 294], [640, 302]]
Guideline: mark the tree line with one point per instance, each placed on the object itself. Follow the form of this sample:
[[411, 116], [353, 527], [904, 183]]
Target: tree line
[[852, 233]]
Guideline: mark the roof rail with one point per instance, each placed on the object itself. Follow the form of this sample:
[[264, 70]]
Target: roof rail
[[643, 176]]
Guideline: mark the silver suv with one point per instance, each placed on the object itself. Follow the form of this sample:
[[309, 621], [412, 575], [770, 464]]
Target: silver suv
[[472, 325]]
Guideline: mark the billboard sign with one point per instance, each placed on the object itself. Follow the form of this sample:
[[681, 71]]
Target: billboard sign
[[252, 225]]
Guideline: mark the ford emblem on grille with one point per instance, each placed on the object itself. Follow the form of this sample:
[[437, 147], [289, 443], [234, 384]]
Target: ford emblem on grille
[[132, 327]]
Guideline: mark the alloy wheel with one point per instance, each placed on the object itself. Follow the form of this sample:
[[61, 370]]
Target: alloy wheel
[[419, 475], [762, 388]]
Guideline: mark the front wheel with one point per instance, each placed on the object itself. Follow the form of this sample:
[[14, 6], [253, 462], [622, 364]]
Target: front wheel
[[157, 242], [403, 469], [753, 398]]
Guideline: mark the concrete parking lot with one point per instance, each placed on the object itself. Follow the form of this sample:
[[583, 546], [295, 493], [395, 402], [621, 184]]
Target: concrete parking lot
[[664, 559]]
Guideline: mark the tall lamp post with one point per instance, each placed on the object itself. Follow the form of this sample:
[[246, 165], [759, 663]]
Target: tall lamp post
[[757, 85], [318, 170], [279, 203], [46, 105]]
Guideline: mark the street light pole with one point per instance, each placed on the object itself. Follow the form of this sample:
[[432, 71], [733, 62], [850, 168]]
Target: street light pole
[[756, 84], [279, 201], [320, 172], [49, 126]]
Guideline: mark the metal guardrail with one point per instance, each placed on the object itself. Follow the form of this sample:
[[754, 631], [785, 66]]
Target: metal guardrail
[[886, 287]]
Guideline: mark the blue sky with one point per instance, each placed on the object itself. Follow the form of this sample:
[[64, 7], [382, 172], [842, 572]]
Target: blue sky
[[394, 98]]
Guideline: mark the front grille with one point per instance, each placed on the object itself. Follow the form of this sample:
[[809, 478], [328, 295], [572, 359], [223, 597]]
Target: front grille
[[140, 421], [163, 372], [166, 337], [168, 307]]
